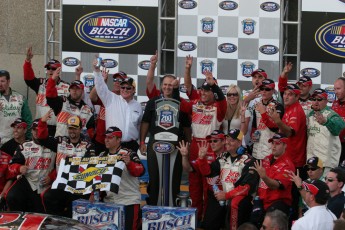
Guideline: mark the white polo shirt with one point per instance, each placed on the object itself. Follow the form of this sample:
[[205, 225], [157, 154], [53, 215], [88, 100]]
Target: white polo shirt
[[118, 112], [316, 218]]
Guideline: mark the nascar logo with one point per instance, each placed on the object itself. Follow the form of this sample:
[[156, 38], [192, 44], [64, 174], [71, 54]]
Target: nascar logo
[[187, 46], [310, 72], [330, 37], [228, 5], [109, 63], [227, 48], [145, 65], [330, 94], [163, 147], [70, 61], [187, 4], [269, 6], [109, 29], [268, 49]]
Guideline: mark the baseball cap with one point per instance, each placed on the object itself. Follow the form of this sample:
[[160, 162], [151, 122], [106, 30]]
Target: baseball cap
[[305, 80], [320, 92], [35, 123], [19, 122], [130, 81], [219, 134], [269, 83], [206, 86], [314, 162], [74, 122], [120, 74], [318, 188], [294, 88], [77, 83], [52, 63], [261, 72], [235, 134], [278, 136], [113, 131], [4, 73]]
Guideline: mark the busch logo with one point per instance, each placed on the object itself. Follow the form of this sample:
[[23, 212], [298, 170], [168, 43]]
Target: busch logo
[[109, 29], [181, 222], [107, 217], [330, 37]]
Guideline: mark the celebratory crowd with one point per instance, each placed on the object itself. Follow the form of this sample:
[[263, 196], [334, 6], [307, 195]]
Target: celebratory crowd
[[256, 158]]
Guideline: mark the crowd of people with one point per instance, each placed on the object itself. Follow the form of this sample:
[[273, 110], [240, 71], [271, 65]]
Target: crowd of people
[[255, 158]]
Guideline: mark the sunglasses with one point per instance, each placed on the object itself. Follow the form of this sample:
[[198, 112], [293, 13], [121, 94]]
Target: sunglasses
[[329, 179], [49, 68], [316, 99], [265, 89], [117, 80], [312, 169], [213, 141], [128, 87], [232, 94]]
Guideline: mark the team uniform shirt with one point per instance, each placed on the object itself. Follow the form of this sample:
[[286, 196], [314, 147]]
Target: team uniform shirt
[[205, 118], [234, 173], [65, 107], [295, 118], [247, 140], [118, 112], [276, 171], [316, 218], [336, 204], [339, 108], [39, 86], [39, 160], [215, 180], [265, 125], [4, 172], [63, 146], [129, 191], [305, 103], [323, 140], [12, 107]]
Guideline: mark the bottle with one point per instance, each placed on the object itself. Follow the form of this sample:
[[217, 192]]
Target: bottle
[[215, 190], [96, 195]]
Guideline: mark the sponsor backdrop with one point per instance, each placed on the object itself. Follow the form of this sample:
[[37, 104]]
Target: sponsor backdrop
[[323, 42], [230, 38], [123, 33]]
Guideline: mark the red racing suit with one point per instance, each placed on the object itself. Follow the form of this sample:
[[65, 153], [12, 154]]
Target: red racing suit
[[205, 119]]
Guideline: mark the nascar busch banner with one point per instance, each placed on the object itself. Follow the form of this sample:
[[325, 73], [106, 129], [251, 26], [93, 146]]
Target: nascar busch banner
[[82, 175], [109, 27], [323, 32], [323, 43]]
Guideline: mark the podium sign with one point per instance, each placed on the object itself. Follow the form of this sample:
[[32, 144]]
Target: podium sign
[[165, 140]]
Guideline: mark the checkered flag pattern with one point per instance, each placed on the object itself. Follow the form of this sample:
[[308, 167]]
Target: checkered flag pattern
[[84, 178], [232, 38]]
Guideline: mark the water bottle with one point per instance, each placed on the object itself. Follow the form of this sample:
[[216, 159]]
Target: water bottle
[[257, 204], [96, 195], [215, 190]]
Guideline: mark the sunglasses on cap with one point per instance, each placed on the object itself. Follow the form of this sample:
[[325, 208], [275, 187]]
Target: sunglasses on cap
[[232, 94], [117, 80], [128, 87], [50, 68], [316, 99], [265, 89], [312, 169]]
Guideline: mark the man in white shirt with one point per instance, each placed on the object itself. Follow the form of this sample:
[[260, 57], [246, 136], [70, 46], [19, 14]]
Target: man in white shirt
[[121, 110], [318, 217]]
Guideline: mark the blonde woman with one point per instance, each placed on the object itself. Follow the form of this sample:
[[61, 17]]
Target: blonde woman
[[235, 117]]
